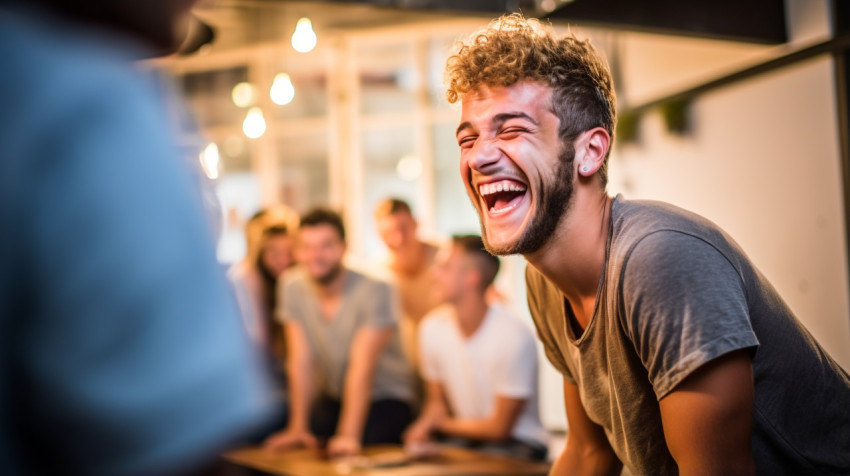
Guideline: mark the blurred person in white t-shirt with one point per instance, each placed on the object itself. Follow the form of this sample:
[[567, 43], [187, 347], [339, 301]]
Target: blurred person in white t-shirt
[[479, 363]]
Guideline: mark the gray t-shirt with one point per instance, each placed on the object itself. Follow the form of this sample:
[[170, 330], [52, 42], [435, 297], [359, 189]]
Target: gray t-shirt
[[676, 293], [366, 302]]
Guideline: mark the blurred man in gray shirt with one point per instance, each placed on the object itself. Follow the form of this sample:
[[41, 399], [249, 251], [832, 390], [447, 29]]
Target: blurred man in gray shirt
[[341, 326]]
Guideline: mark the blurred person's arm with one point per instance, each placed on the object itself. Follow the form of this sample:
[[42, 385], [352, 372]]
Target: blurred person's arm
[[434, 411], [587, 451], [496, 427], [512, 387], [366, 348], [299, 372]]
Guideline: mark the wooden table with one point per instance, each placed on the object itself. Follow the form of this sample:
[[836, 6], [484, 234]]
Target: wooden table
[[384, 461]]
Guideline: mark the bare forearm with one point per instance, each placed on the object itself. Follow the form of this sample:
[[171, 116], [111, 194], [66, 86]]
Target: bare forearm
[[577, 460], [433, 413], [477, 429], [357, 395], [299, 384]]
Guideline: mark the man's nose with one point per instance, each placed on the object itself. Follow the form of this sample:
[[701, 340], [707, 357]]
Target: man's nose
[[484, 153]]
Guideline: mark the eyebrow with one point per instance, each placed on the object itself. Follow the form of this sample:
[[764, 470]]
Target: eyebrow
[[499, 119]]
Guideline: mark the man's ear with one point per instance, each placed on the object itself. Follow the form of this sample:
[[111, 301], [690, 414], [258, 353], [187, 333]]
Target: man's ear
[[591, 147]]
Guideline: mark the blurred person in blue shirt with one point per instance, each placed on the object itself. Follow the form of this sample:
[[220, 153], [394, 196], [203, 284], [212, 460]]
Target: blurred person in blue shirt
[[121, 347]]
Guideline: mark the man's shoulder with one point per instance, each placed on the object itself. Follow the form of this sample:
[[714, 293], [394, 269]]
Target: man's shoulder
[[431, 250], [509, 326], [506, 318], [634, 220], [362, 280], [295, 282], [644, 231], [437, 320]]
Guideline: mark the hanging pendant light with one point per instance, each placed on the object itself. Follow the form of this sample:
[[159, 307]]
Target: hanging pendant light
[[304, 38], [254, 125], [282, 91]]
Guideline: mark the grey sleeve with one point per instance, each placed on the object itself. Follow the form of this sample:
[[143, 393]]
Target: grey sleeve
[[133, 357], [684, 304], [383, 306], [289, 302]]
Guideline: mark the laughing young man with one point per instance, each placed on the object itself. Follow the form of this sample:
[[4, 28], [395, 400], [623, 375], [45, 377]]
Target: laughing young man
[[677, 355]]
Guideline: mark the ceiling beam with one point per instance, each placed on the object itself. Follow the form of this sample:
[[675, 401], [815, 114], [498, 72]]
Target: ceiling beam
[[756, 21]]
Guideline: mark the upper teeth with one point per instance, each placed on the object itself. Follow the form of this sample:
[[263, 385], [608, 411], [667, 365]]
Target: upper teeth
[[503, 186]]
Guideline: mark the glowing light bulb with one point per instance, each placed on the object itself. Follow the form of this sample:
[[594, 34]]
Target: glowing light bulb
[[254, 125], [304, 38], [282, 91], [210, 159], [244, 94]]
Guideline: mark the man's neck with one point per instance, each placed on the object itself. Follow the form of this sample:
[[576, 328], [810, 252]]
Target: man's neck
[[331, 289], [574, 258], [470, 310], [411, 259]]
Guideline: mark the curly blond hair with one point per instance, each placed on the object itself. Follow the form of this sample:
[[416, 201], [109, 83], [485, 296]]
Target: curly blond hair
[[513, 48]]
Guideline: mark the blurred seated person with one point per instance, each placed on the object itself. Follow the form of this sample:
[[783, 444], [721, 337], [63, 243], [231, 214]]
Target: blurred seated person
[[410, 263], [274, 255], [254, 281], [479, 363], [342, 340]]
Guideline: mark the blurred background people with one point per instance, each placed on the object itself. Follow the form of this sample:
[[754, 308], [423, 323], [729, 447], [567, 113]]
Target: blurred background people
[[269, 252], [479, 363], [121, 350], [256, 285], [342, 340], [411, 265], [276, 256]]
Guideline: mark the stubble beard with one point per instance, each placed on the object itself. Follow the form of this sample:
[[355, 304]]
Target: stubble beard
[[551, 205], [330, 276]]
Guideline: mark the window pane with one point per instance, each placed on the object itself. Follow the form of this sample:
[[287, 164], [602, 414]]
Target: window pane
[[454, 212], [303, 165], [209, 95], [310, 98], [390, 170], [439, 50], [387, 78]]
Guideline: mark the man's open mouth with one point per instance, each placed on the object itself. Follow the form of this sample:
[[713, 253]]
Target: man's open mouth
[[502, 196]]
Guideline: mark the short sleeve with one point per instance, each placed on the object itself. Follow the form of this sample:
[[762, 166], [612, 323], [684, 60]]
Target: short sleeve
[[685, 305], [291, 300], [540, 309], [519, 377], [383, 306]]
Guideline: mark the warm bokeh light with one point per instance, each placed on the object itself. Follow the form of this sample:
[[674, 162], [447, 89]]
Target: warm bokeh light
[[409, 168], [304, 38], [282, 91], [254, 125], [244, 94], [210, 160]]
